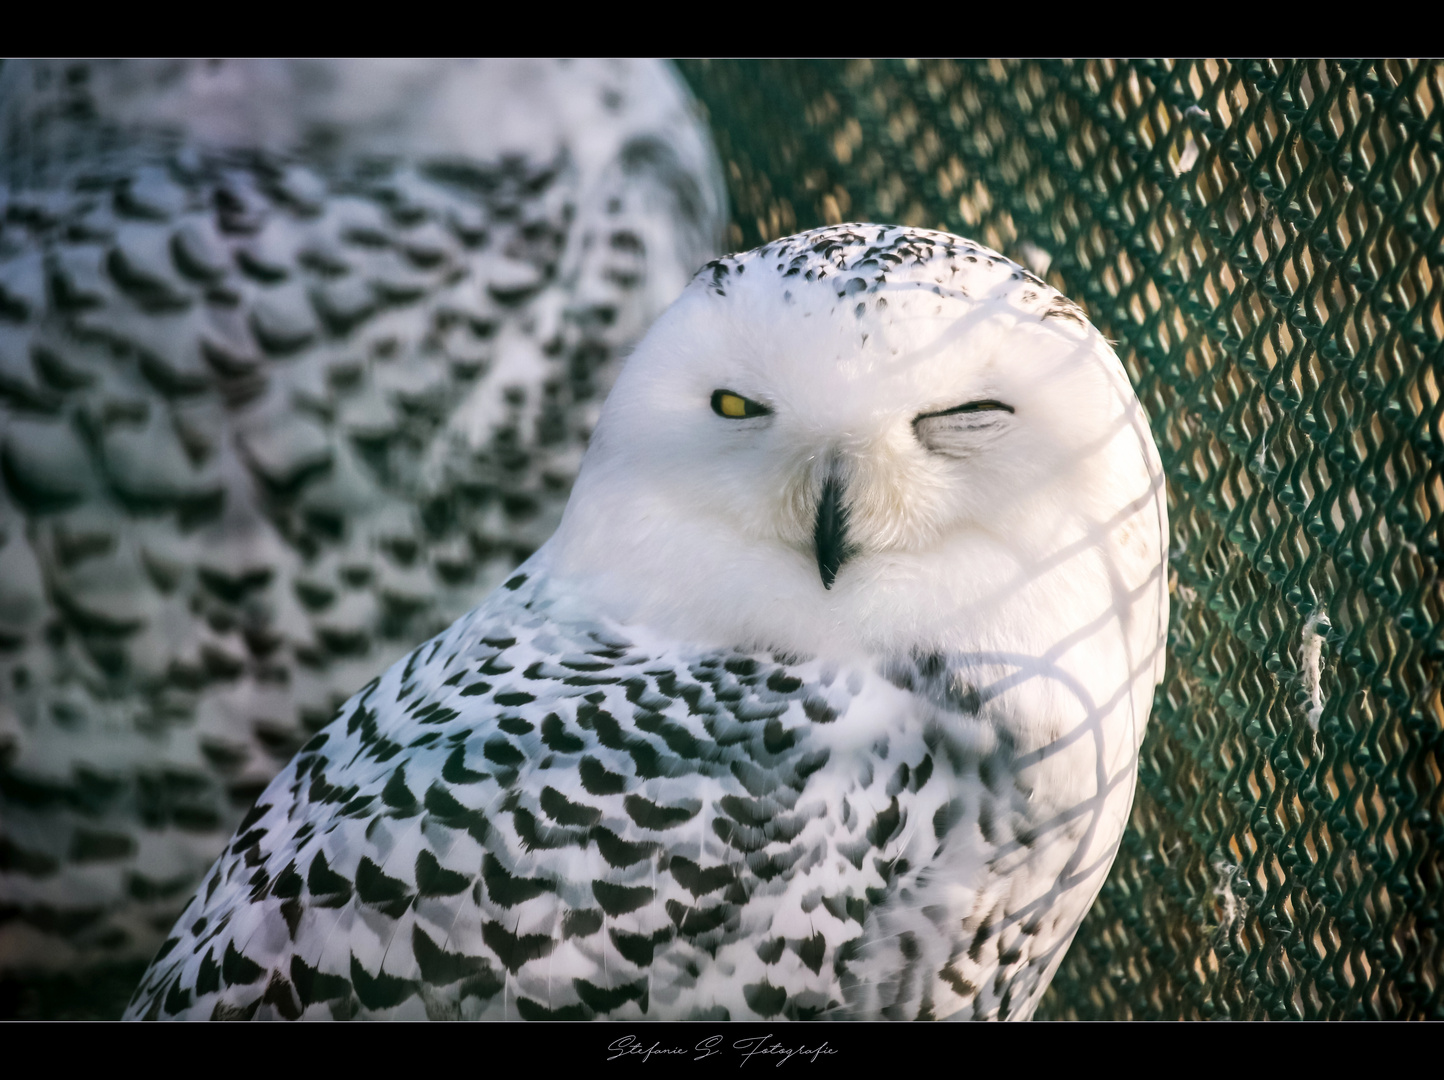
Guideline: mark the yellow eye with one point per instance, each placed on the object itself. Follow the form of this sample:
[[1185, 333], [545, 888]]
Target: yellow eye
[[732, 405], [735, 406]]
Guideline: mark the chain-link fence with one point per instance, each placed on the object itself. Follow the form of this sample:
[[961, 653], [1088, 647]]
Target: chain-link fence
[[1264, 242]]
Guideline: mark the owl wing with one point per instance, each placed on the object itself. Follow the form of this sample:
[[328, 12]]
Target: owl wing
[[544, 819]]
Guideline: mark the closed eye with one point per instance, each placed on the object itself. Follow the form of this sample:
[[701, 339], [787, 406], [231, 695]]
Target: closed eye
[[962, 430], [733, 406], [986, 405]]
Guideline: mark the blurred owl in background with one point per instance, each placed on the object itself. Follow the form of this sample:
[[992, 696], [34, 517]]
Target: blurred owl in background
[[297, 361]]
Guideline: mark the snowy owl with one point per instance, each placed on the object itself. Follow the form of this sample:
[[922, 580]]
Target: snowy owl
[[298, 360], [824, 700]]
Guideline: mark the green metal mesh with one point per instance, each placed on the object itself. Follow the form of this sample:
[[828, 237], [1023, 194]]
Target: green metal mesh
[[1264, 243]]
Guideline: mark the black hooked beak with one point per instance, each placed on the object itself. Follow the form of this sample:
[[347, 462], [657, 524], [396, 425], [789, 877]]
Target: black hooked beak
[[830, 535]]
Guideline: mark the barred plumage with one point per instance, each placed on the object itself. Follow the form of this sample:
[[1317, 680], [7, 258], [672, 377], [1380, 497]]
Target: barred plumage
[[273, 407], [671, 770]]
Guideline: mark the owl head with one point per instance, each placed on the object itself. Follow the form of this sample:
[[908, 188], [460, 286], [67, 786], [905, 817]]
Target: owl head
[[863, 437]]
